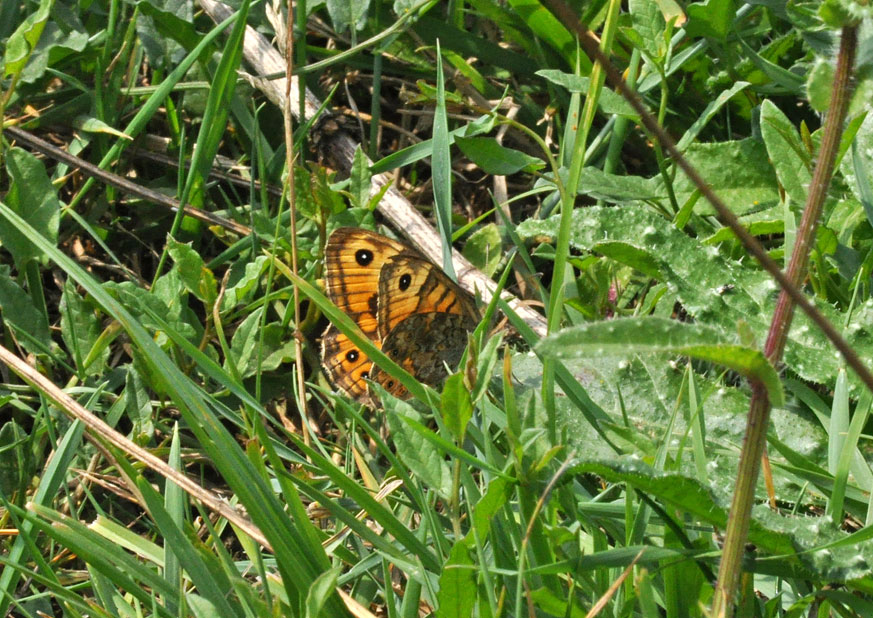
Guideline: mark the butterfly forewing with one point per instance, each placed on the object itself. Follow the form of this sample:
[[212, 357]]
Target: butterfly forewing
[[353, 259], [409, 284]]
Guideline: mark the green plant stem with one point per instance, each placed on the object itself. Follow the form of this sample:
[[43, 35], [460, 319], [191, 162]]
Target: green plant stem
[[622, 123], [568, 199], [759, 407], [376, 97], [456, 500]]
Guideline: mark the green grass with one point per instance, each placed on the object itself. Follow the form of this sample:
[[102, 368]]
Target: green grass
[[589, 454]]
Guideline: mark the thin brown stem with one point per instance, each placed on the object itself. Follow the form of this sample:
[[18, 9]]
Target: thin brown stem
[[755, 439], [119, 182], [289, 166], [821, 179]]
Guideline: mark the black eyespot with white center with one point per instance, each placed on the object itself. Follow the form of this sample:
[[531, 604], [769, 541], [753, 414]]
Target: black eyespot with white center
[[352, 356], [404, 282], [363, 257]]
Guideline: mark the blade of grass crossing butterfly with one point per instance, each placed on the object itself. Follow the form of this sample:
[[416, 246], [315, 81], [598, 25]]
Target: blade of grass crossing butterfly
[[442, 170]]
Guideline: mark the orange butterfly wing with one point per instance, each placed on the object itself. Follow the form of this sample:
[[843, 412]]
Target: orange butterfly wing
[[423, 318], [353, 260], [424, 344], [400, 300], [410, 284]]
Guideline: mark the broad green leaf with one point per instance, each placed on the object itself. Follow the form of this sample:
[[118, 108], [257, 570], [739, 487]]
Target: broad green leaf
[[252, 341], [739, 172], [420, 456], [32, 196], [619, 189], [456, 406], [484, 249], [320, 591], [842, 13], [54, 46], [857, 166], [498, 493], [786, 152], [359, 180], [820, 85], [648, 24], [715, 290], [198, 279], [138, 407], [629, 336], [165, 27], [347, 14], [16, 306], [496, 159], [671, 10], [713, 18], [245, 276], [145, 304], [23, 41], [457, 596]]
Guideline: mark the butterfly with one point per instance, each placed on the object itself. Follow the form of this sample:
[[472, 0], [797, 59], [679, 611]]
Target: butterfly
[[405, 304]]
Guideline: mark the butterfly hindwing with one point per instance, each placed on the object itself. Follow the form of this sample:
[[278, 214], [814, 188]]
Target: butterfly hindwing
[[424, 344], [344, 363]]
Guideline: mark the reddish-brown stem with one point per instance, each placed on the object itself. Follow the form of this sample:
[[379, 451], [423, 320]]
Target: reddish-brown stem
[[818, 189], [759, 407]]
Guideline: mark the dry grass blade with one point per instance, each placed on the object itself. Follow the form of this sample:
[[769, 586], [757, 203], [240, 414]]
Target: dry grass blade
[[99, 431]]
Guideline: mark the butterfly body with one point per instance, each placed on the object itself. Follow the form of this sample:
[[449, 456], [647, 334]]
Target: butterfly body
[[405, 304]]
